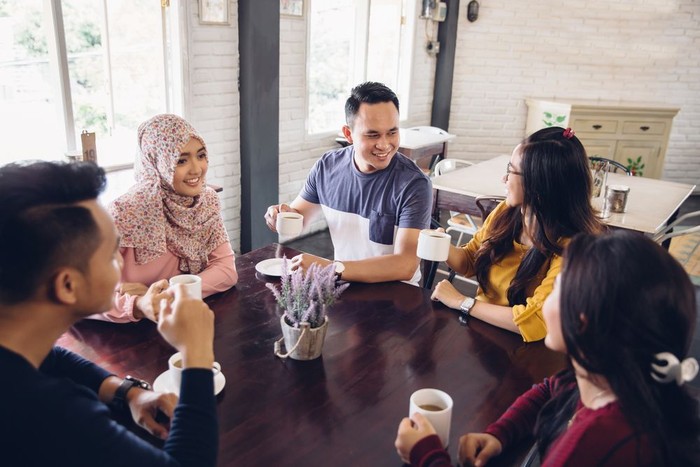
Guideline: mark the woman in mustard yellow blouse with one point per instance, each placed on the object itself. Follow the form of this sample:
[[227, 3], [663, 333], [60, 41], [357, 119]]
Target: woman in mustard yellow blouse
[[516, 255]]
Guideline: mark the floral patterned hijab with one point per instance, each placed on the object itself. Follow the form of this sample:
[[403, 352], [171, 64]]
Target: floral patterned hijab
[[151, 217]]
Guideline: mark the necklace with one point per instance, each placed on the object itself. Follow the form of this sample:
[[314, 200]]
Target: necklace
[[593, 399]]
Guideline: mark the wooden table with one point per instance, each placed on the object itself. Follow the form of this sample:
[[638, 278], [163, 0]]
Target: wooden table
[[384, 342], [651, 203]]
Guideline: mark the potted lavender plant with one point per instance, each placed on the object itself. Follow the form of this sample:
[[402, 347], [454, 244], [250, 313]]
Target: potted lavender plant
[[305, 300]]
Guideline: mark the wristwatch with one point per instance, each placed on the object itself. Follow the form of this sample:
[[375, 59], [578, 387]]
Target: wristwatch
[[466, 306], [339, 269], [119, 399]]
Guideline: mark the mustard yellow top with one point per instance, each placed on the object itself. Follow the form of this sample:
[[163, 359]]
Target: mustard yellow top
[[527, 317]]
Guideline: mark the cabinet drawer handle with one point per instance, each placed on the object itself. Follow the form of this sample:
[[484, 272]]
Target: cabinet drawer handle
[[597, 127], [644, 128]]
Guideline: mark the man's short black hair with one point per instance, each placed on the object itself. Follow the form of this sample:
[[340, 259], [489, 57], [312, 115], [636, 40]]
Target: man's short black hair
[[41, 227], [370, 93]]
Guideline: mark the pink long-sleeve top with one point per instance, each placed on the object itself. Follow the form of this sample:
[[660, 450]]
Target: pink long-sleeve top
[[219, 275]]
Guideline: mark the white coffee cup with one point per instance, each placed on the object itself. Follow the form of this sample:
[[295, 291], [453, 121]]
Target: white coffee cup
[[436, 406], [175, 367], [289, 224], [192, 283], [434, 245]]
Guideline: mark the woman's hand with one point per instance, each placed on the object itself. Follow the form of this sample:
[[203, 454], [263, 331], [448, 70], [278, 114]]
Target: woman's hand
[[477, 448], [410, 432], [447, 294], [149, 304]]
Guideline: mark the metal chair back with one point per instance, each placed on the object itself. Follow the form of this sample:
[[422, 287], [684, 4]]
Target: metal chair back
[[613, 166], [668, 232]]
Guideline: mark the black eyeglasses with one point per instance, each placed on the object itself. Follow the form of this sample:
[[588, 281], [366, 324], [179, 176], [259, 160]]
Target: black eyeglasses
[[510, 171]]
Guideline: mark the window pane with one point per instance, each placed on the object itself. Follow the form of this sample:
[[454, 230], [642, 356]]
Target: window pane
[[116, 71], [370, 45], [137, 62], [331, 54], [83, 32], [27, 102], [384, 42]]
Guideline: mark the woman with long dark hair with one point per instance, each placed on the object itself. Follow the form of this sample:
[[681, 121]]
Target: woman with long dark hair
[[517, 253], [624, 311]]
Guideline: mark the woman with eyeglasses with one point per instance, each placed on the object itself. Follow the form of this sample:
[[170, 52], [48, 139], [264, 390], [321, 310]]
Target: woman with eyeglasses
[[516, 255]]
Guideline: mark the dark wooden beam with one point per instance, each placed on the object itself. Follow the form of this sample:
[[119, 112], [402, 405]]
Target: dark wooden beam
[[444, 70], [259, 49]]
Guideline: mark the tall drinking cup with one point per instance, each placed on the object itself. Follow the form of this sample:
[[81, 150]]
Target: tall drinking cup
[[436, 406]]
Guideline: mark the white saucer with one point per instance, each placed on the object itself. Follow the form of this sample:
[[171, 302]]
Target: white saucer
[[270, 267], [164, 383]]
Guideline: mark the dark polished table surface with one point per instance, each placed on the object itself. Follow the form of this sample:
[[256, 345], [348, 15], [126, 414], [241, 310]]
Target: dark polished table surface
[[384, 341]]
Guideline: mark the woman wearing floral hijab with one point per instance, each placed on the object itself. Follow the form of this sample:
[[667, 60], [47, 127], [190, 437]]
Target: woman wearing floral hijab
[[170, 222]]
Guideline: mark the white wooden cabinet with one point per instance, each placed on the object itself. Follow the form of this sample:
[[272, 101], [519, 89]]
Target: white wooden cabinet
[[618, 130]]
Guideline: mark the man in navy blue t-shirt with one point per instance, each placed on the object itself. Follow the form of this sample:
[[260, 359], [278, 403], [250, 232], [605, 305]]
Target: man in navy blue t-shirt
[[374, 199], [60, 262]]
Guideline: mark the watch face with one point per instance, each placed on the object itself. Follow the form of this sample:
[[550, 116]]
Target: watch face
[[339, 267], [467, 304]]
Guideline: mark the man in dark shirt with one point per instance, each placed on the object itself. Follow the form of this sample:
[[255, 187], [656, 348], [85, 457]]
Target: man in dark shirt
[[59, 262]]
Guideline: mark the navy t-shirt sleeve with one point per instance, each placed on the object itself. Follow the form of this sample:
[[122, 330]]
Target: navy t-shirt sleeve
[[59, 406], [76, 429], [310, 192], [64, 363], [417, 206]]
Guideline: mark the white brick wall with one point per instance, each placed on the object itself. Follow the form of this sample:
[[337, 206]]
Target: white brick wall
[[628, 50], [212, 103]]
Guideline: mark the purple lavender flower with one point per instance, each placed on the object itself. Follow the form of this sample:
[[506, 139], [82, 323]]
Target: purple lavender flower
[[307, 297]]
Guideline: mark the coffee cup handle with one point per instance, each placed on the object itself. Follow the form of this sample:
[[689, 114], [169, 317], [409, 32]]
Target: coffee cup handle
[[216, 368]]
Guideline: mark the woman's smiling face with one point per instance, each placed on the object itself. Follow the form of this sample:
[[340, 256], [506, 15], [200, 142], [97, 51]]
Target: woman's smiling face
[[191, 169]]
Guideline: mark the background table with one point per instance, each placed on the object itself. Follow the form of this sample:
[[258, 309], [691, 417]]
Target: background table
[[651, 203], [384, 342]]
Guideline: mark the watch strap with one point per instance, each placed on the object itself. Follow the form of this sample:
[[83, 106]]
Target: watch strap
[[339, 269], [119, 399]]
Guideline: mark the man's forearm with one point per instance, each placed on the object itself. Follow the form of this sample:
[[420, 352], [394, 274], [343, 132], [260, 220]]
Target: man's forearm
[[396, 267]]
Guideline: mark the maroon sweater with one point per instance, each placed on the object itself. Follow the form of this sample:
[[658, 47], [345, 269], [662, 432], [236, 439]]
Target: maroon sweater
[[595, 437]]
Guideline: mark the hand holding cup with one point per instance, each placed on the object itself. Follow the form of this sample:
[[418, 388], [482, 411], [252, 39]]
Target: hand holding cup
[[188, 325]]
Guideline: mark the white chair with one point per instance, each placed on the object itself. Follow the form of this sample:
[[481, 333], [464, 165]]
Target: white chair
[[668, 233], [435, 158], [458, 222]]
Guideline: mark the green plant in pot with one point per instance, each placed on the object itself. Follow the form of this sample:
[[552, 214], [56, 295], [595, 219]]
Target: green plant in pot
[[305, 299], [635, 166]]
